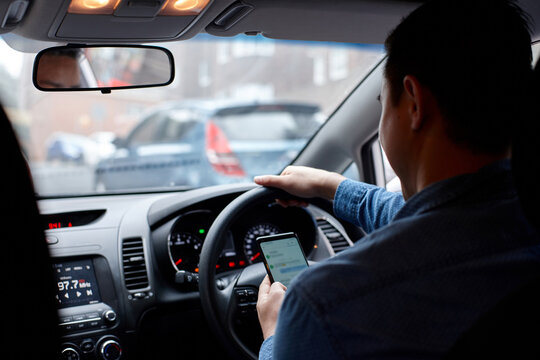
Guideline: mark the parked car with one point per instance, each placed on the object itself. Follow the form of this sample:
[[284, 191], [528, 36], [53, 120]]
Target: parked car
[[67, 148], [201, 143], [78, 149]]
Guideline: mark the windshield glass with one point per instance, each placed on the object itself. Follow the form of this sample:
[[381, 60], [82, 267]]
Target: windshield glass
[[238, 107]]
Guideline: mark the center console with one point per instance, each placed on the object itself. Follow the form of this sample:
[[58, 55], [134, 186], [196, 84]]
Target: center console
[[87, 309]]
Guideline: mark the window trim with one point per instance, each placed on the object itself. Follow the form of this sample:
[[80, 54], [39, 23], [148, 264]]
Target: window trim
[[372, 167]]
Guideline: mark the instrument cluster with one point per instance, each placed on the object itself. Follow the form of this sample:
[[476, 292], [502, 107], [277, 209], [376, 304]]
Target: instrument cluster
[[189, 231]]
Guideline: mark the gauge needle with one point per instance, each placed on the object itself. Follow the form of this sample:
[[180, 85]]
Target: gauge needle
[[255, 256], [179, 261]]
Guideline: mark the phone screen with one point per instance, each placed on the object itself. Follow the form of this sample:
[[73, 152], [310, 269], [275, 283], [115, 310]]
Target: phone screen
[[283, 256]]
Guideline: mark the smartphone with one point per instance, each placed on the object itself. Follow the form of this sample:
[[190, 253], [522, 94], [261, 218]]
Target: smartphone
[[283, 256]]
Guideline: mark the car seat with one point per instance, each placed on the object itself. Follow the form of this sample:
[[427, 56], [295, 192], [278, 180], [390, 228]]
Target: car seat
[[29, 321], [512, 328]]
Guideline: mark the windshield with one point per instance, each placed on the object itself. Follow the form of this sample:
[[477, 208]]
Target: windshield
[[238, 107]]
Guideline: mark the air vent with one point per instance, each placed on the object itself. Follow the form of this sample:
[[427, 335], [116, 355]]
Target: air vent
[[135, 275], [336, 239]]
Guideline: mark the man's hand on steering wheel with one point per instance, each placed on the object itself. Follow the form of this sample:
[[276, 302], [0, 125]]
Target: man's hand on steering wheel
[[304, 182]]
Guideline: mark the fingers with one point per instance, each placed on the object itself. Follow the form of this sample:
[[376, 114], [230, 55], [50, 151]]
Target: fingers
[[264, 288], [268, 180], [277, 287], [280, 181], [292, 202], [268, 304]]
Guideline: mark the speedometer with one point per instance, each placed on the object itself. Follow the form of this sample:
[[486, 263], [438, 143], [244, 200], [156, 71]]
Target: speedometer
[[185, 249], [251, 248]]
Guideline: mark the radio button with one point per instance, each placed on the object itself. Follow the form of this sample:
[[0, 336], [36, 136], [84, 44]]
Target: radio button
[[51, 240], [87, 346], [66, 319], [93, 315], [80, 317], [109, 316], [94, 323]]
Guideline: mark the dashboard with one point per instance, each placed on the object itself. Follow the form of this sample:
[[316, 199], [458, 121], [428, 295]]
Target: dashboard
[[126, 267]]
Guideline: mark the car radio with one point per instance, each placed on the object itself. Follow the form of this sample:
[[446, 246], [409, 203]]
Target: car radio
[[79, 299], [87, 319]]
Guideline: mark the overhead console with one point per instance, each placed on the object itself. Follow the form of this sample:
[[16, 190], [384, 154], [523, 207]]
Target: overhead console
[[113, 21], [126, 19]]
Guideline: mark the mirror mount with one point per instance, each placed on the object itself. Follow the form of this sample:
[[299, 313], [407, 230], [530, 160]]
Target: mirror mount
[[102, 67]]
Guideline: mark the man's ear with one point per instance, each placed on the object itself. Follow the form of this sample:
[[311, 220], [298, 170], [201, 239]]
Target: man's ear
[[414, 93]]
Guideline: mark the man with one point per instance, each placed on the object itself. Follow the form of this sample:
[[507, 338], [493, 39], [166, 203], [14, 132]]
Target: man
[[59, 69], [456, 242]]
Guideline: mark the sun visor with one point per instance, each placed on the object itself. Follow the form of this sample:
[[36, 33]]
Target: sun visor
[[366, 21]]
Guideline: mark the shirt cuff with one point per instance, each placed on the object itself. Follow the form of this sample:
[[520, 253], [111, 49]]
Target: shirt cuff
[[346, 200], [266, 348]]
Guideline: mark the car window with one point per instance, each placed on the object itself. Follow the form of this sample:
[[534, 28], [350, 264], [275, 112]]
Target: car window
[[384, 175], [352, 172], [148, 131], [238, 107], [268, 125], [391, 181], [536, 52], [177, 127]]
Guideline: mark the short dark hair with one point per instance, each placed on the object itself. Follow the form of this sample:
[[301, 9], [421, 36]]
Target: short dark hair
[[475, 58]]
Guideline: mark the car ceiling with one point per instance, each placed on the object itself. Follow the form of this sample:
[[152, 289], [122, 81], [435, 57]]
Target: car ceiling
[[356, 21]]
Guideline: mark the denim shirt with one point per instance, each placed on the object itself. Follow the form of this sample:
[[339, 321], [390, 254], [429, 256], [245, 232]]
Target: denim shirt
[[426, 271]]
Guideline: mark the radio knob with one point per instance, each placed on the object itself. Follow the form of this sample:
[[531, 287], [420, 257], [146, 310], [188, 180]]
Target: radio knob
[[109, 316], [70, 353], [110, 350]]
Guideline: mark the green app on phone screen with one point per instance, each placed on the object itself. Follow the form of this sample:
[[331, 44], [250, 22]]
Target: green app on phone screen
[[283, 256]]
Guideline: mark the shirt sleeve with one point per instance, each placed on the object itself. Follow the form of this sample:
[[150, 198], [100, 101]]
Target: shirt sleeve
[[265, 353], [365, 205], [300, 334]]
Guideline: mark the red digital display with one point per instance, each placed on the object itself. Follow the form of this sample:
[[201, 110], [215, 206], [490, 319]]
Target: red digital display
[[70, 219], [59, 225]]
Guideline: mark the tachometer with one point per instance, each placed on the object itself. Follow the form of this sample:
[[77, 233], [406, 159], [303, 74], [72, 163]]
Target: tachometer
[[185, 249], [251, 248]]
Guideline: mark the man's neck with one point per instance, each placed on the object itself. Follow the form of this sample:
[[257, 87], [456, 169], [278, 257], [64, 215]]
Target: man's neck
[[444, 162]]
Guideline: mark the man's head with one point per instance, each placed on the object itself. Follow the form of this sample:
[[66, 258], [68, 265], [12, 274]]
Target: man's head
[[59, 69], [471, 61]]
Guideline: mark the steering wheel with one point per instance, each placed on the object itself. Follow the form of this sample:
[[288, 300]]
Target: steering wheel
[[220, 305]]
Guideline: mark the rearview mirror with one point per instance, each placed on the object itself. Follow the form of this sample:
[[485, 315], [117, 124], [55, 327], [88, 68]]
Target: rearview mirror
[[78, 68]]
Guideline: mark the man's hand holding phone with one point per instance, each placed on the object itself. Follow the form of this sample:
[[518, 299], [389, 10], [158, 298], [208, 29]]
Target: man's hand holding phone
[[268, 304], [284, 259]]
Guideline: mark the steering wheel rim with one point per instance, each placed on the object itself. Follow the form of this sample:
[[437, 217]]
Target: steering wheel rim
[[217, 304]]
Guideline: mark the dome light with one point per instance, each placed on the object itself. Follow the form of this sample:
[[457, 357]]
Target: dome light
[[95, 7], [183, 7]]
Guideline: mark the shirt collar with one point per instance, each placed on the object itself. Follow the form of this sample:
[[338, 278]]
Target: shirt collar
[[494, 175]]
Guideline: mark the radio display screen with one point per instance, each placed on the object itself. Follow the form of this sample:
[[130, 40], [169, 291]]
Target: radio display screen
[[76, 283]]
